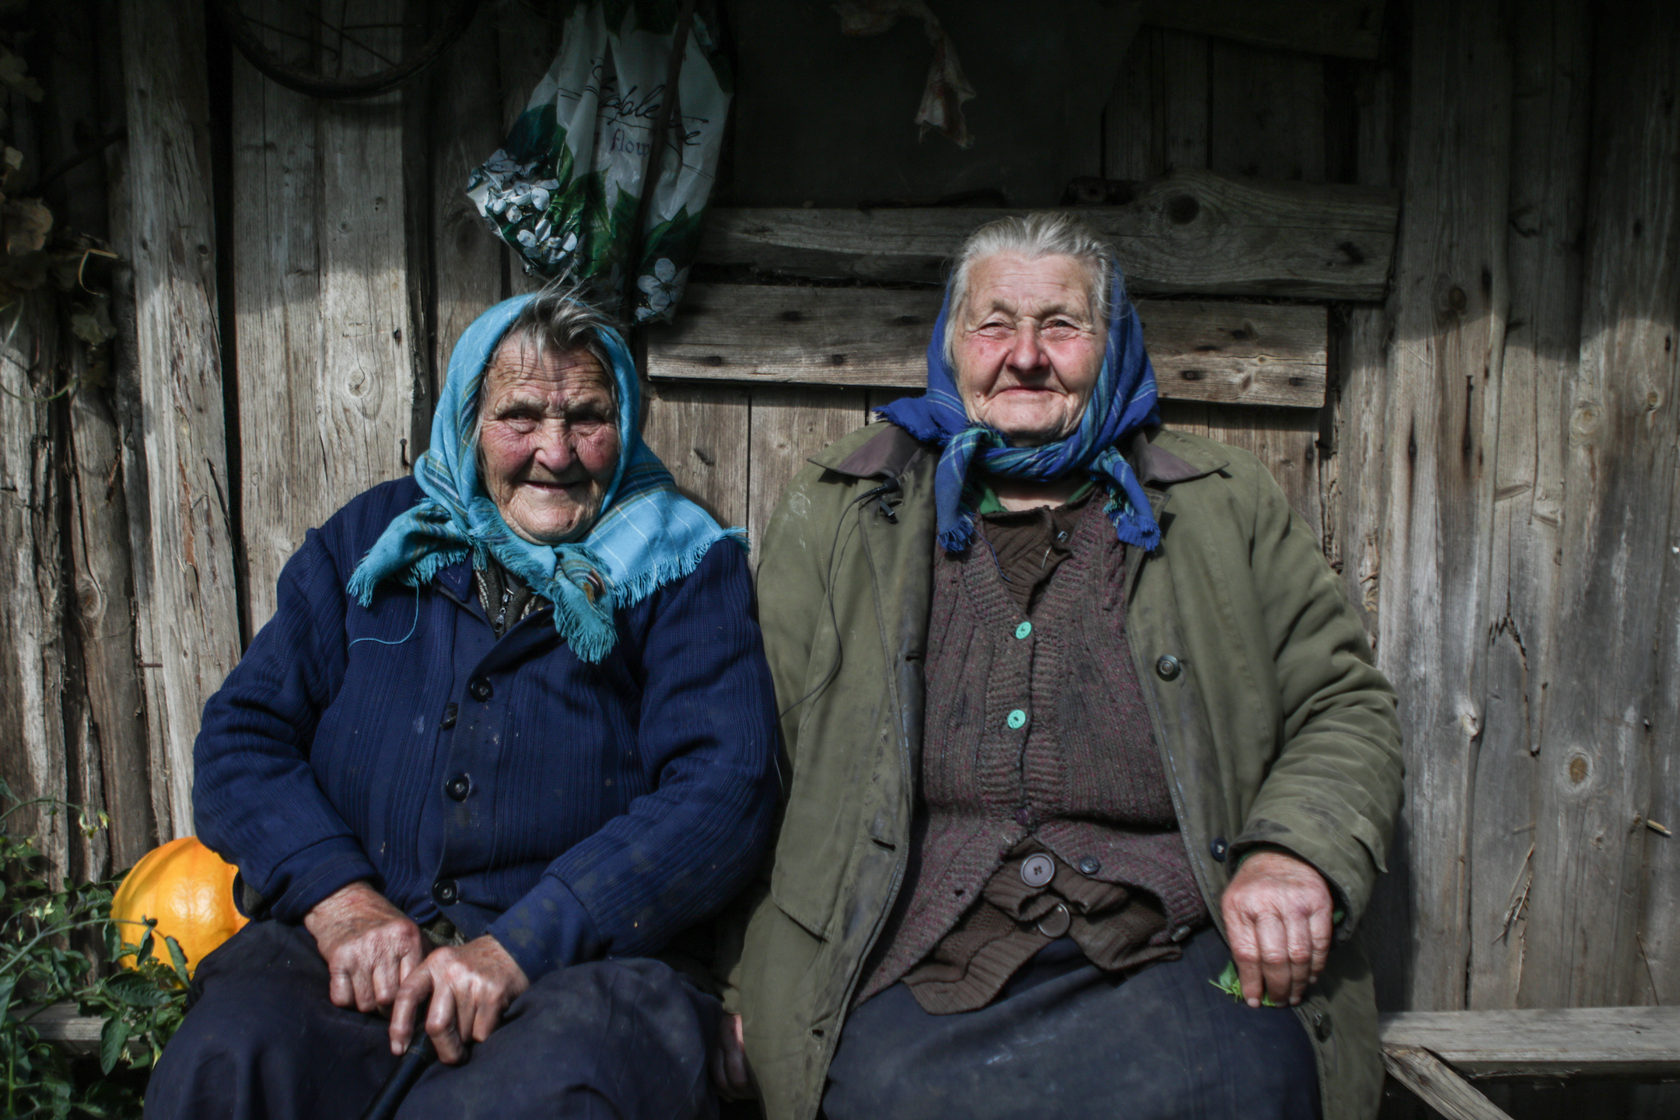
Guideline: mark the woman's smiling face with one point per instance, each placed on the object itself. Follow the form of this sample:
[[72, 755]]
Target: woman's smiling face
[[547, 439], [1027, 348]]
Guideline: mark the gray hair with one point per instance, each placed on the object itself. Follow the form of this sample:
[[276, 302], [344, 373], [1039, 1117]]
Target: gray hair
[[558, 319], [1046, 233]]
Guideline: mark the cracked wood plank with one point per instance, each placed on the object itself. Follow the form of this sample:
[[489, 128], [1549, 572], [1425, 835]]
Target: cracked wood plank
[[1189, 233], [1545, 1042], [1606, 888], [1437, 1085], [1449, 315], [1235, 353], [323, 339], [1552, 65], [188, 601], [32, 670]]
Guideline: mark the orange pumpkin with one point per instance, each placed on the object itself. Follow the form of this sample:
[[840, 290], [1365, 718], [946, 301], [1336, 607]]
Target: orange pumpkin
[[189, 890]]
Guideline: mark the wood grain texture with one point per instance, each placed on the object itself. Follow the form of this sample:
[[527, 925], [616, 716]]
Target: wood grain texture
[[1191, 232], [701, 434], [1545, 1042], [1266, 114], [1601, 746], [1449, 312], [463, 126], [278, 320], [1552, 68], [1236, 353], [1348, 28], [788, 427], [102, 570], [32, 733], [188, 606], [1437, 1085]]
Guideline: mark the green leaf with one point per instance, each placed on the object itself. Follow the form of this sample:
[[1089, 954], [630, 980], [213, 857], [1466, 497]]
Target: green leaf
[[1229, 983], [177, 958], [112, 1038]]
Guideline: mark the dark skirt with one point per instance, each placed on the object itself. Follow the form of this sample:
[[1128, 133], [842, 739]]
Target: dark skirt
[[1066, 1039], [620, 1038]]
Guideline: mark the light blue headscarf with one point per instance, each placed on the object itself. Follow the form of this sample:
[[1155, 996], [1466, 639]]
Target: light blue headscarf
[[646, 535], [1122, 401]]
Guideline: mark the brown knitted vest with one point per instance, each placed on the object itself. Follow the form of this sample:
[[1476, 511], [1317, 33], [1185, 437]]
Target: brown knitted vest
[[1037, 743]]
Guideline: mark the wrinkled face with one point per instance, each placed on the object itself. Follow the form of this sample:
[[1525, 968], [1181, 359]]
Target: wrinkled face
[[1026, 346], [548, 440]]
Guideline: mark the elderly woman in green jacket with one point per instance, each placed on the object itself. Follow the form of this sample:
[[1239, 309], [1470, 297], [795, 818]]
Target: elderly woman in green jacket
[[1079, 721]]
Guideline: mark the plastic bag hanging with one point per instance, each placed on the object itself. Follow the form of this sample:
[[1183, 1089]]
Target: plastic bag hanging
[[565, 189]]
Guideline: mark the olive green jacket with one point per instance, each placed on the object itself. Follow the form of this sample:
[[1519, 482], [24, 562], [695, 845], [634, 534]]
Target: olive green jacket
[[1273, 726]]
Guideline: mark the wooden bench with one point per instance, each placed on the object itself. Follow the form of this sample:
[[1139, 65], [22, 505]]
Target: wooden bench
[[1429, 1052]]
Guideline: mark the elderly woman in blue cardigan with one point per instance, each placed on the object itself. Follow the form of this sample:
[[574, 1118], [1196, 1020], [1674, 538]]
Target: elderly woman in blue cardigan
[[508, 733]]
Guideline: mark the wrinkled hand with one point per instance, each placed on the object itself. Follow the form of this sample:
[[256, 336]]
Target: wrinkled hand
[[731, 1075], [369, 945], [469, 988], [1277, 921]]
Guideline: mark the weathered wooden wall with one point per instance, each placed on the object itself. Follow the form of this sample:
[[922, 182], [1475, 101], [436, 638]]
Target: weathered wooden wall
[[1422, 257]]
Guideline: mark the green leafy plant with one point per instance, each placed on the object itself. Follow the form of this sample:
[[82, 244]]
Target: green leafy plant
[[52, 942]]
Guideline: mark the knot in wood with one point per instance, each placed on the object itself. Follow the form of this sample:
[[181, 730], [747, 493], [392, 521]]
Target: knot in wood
[[1182, 209]]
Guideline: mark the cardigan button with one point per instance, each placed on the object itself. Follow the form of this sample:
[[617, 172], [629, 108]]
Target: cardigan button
[[1023, 631], [1037, 870], [1090, 865], [1321, 1024], [480, 688], [1057, 922], [450, 711], [1168, 667], [1218, 848], [1016, 719], [458, 787], [1182, 933], [445, 892]]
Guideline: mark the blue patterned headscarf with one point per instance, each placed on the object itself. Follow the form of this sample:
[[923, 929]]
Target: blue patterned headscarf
[[646, 534], [1122, 401]]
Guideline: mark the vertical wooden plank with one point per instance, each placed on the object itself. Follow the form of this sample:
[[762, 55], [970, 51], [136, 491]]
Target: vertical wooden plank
[[367, 363], [1601, 745], [466, 126], [188, 608], [1266, 115], [529, 38], [32, 743], [788, 427], [1542, 346], [701, 432], [100, 559], [1352, 482], [1448, 304], [278, 320], [1157, 120], [1131, 118], [1185, 91]]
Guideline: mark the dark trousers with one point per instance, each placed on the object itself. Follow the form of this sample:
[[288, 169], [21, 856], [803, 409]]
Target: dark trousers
[[620, 1038], [1066, 1039]]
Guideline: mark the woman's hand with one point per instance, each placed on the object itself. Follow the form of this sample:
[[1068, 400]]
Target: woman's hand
[[1277, 921], [469, 988], [369, 945], [731, 1075]]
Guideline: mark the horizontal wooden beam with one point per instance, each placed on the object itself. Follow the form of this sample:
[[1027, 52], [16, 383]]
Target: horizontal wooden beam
[[1344, 28], [1553, 1042], [1236, 353], [1188, 233]]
